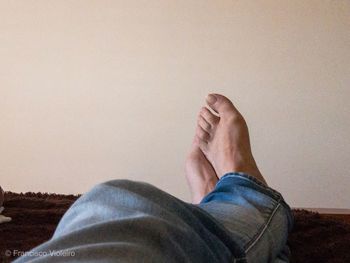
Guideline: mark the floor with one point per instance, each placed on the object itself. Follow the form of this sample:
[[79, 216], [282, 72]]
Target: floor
[[342, 214]]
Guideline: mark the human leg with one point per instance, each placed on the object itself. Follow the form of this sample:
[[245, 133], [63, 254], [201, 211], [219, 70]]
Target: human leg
[[126, 221], [255, 214]]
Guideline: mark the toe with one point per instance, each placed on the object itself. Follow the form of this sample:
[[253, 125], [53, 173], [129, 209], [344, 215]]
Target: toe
[[204, 124], [209, 117], [202, 134], [221, 104]]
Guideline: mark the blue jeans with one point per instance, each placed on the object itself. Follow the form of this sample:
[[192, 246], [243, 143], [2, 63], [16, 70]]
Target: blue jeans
[[241, 220]]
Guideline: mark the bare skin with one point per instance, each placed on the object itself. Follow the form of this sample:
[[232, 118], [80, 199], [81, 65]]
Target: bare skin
[[221, 145], [200, 174]]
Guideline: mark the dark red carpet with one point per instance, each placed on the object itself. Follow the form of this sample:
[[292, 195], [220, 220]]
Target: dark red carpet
[[315, 238]]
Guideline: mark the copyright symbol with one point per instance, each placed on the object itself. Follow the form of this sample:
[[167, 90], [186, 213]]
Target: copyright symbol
[[8, 253]]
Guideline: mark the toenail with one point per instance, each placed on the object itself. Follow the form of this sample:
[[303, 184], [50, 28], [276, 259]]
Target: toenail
[[211, 99]]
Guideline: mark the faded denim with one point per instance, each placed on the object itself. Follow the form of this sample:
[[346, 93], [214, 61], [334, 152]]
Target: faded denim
[[124, 221]]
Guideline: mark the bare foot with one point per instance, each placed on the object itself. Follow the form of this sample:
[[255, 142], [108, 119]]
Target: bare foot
[[225, 140], [200, 175]]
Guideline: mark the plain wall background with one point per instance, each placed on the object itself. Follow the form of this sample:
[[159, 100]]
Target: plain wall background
[[96, 90]]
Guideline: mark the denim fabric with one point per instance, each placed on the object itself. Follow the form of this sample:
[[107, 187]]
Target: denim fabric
[[255, 215], [126, 221]]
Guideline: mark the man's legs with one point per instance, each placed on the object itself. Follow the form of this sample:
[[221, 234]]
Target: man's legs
[[126, 221], [238, 218], [255, 215], [232, 189]]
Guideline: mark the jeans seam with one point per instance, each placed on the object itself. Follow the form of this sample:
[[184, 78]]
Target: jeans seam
[[262, 229]]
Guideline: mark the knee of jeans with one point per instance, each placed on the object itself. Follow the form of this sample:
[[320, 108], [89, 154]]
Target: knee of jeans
[[102, 189], [106, 187], [128, 185], [116, 184], [121, 187]]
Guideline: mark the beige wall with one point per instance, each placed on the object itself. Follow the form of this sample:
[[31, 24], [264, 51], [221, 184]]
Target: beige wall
[[95, 90]]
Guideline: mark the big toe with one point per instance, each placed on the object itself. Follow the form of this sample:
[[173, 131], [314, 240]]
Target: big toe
[[220, 104]]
